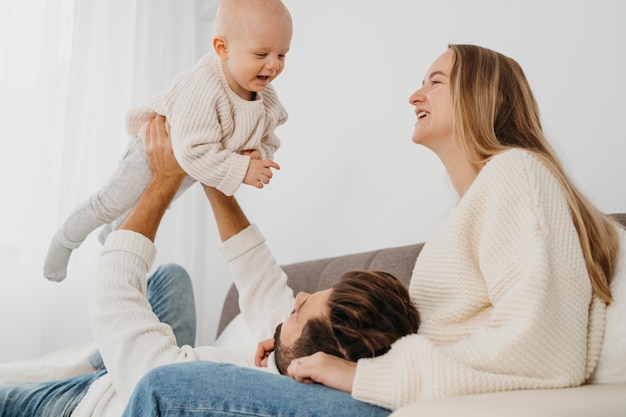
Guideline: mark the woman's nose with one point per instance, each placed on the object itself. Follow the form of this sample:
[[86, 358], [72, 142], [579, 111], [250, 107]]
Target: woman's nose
[[416, 97]]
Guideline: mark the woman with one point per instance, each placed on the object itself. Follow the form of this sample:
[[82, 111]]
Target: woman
[[512, 289]]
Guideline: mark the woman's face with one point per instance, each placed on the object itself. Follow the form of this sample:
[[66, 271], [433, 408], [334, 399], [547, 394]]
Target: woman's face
[[433, 105]]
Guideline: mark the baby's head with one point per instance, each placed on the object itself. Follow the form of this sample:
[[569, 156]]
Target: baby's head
[[362, 315], [252, 38]]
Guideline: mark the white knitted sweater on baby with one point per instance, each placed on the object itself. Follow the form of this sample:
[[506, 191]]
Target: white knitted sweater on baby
[[209, 124], [130, 336], [503, 293]]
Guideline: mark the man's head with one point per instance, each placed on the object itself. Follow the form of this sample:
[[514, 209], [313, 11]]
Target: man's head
[[252, 38], [360, 316]]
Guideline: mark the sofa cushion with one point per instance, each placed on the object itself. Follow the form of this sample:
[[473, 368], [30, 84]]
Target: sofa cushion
[[320, 274], [607, 400]]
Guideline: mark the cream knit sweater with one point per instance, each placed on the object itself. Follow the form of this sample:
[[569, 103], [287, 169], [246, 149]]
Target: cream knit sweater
[[131, 338], [503, 293], [209, 124]]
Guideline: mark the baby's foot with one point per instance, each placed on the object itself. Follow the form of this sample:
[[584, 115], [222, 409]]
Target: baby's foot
[[55, 265]]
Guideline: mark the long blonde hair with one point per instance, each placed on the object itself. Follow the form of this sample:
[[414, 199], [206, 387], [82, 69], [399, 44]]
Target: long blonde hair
[[495, 110]]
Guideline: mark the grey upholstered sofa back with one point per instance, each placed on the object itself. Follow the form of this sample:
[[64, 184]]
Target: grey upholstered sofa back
[[311, 276]]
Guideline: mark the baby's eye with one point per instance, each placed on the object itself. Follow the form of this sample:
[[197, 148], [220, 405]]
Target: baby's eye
[[261, 54], [282, 56]]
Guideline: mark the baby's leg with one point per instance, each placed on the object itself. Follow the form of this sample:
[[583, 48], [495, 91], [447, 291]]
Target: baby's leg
[[114, 199], [115, 224]]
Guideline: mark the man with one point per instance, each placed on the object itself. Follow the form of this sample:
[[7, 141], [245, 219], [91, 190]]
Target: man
[[133, 339]]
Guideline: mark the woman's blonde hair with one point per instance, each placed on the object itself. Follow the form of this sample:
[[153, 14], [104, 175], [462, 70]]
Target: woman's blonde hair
[[495, 110]]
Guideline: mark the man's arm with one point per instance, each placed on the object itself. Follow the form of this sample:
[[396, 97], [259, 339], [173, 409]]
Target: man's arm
[[167, 177], [228, 214]]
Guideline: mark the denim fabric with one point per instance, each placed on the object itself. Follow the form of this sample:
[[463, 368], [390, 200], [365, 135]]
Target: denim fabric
[[45, 399], [170, 293], [203, 389]]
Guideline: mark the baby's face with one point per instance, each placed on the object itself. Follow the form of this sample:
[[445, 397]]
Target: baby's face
[[256, 56]]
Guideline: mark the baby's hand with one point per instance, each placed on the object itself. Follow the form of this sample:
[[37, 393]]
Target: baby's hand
[[263, 350], [259, 172]]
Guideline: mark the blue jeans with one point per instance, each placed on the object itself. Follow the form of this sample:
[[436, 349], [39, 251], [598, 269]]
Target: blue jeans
[[203, 389], [170, 294]]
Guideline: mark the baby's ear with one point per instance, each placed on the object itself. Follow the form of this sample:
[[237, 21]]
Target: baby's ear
[[221, 47]]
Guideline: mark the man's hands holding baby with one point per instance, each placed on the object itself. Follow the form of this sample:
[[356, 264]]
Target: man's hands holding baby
[[259, 171]]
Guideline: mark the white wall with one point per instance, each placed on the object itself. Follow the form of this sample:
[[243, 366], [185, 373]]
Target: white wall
[[352, 180]]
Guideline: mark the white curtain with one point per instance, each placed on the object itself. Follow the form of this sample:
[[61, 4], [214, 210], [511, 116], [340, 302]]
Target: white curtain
[[69, 70]]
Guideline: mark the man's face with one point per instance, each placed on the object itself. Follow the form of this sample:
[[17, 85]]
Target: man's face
[[307, 306]]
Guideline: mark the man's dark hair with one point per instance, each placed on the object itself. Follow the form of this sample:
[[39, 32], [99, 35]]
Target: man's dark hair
[[367, 312]]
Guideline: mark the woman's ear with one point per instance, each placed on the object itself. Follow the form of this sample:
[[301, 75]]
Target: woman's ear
[[221, 48]]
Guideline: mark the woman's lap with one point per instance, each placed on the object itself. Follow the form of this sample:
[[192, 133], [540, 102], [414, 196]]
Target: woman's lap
[[203, 389]]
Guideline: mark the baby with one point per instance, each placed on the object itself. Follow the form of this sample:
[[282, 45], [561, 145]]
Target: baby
[[221, 115]]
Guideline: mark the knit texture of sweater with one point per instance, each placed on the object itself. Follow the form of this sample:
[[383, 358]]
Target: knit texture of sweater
[[210, 124], [504, 296]]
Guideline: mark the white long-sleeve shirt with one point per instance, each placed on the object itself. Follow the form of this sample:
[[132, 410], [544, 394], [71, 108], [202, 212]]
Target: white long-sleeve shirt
[[209, 124], [503, 294], [131, 338]]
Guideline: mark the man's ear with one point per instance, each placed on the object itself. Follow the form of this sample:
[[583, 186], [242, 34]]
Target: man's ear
[[221, 48]]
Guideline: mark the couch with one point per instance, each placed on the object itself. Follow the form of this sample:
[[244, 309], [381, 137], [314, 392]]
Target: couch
[[592, 400]]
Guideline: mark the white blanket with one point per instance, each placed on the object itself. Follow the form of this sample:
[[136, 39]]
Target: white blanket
[[60, 364]]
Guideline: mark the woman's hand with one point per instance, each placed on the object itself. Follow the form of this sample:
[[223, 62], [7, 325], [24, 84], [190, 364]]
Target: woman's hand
[[263, 350], [324, 369]]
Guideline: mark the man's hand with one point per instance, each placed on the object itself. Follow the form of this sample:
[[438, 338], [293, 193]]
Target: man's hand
[[158, 148], [263, 350], [324, 369], [167, 177]]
